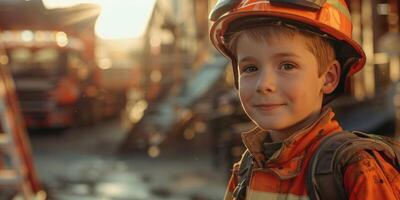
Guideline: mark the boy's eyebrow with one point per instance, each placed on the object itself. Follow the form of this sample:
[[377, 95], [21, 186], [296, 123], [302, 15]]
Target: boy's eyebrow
[[286, 54], [247, 58], [277, 55]]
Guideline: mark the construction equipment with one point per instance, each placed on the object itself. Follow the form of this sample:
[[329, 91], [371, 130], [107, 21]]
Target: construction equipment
[[17, 172]]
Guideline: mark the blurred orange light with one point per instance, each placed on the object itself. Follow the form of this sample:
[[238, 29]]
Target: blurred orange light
[[154, 151], [62, 39]]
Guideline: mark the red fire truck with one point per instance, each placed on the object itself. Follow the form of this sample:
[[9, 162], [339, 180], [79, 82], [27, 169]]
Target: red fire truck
[[52, 58], [54, 81]]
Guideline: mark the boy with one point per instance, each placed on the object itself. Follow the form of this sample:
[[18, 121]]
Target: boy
[[290, 59]]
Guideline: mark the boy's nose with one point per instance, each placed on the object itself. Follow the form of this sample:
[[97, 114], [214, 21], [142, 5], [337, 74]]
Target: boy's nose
[[266, 82]]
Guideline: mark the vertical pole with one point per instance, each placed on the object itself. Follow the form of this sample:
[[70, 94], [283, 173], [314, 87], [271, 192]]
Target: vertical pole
[[393, 23], [358, 89], [368, 46]]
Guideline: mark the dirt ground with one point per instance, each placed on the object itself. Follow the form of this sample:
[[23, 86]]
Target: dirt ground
[[82, 163]]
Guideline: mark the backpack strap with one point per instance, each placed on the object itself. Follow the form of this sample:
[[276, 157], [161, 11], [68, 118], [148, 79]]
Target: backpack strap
[[328, 164], [320, 169], [392, 153], [363, 142], [245, 168]]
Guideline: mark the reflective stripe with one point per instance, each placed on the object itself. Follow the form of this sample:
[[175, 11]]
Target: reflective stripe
[[340, 7], [259, 195], [228, 195]]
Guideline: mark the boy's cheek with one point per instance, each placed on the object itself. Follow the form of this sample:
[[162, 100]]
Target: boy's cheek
[[243, 99], [246, 90], [247, 84], [243, 90]]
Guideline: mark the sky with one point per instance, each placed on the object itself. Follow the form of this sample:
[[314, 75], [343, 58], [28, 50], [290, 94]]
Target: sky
[[119, 19]]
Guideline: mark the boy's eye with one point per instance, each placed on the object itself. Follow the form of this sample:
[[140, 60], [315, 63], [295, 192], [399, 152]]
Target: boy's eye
[[287, 66], [249, 68]]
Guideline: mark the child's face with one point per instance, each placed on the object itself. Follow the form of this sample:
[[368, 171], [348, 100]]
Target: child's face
[[279, 85]]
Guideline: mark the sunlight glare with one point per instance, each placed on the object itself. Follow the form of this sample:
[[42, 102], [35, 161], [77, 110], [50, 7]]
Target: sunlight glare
[[119, 19]]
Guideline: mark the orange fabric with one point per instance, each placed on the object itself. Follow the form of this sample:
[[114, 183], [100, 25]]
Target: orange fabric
[[366, 179], [284, 173]]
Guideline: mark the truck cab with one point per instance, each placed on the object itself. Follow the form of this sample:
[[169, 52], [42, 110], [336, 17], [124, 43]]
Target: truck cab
[[52, 79]]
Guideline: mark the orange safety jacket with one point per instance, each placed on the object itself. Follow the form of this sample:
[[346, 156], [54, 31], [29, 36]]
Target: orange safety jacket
[[283, 174]]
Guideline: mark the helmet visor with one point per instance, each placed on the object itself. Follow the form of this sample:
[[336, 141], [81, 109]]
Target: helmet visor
[[224, 6]]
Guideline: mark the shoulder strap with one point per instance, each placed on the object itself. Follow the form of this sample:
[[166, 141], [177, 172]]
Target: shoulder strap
[[244, 174], [363, 142], [393, 152], [326, 167], [320, 169]]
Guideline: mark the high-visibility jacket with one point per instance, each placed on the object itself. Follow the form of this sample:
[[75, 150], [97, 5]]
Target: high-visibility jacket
[[282, 175]]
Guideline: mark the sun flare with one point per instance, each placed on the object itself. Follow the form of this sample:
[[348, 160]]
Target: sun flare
[[119, 19]]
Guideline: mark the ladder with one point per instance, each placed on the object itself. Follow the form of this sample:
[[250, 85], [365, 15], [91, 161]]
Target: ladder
[[16, 166]]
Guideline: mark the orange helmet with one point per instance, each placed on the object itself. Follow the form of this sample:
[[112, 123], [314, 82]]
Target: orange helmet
[[327, 18]]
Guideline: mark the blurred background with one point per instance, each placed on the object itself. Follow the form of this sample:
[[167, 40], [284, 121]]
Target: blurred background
[[121, 100]]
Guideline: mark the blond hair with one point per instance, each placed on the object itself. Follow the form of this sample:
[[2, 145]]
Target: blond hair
[[321, 48]]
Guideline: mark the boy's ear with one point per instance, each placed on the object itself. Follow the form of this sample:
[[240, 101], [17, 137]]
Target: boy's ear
[[331, 77]]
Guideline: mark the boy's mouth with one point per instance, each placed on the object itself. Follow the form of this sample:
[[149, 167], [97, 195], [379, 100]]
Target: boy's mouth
[[268, 106]]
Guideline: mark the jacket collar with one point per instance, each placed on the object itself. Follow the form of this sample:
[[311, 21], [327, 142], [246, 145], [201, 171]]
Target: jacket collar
[[286, 161]]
